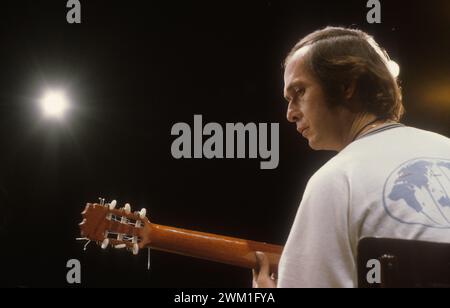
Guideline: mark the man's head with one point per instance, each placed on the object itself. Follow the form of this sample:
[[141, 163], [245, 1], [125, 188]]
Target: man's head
[[334, 75]]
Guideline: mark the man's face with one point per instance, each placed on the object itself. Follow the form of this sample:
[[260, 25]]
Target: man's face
[[324, 127]]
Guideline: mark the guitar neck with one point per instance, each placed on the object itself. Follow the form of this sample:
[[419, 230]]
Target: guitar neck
[[207, 246]]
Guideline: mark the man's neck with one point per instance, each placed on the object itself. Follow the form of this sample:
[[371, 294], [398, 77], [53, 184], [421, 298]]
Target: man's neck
[[361, 124]]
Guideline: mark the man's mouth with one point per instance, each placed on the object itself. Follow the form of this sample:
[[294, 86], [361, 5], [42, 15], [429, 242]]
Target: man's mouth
[[303, 131]]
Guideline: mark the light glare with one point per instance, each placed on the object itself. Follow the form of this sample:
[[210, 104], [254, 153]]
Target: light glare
[[54, 104], [394, 68]]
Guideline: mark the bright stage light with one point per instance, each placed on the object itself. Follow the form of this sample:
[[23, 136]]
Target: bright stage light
[[54, 104]]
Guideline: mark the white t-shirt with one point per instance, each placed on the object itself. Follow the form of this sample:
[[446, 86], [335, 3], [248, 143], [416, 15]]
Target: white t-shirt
[[394, 183]]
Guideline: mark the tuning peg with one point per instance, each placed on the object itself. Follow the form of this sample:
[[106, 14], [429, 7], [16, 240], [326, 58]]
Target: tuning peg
[[112, 205], [85, 209], [143, 213], [120, 246], [105, 243], [135, 249], [83, 222], [127, 208]]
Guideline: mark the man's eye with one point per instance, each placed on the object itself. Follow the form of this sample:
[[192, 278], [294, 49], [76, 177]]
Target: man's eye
[[299, 91]]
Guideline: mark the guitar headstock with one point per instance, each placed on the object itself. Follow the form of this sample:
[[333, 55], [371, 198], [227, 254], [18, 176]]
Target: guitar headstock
[[120, 228]]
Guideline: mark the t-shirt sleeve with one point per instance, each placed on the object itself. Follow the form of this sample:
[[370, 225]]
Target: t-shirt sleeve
[[318, 252]]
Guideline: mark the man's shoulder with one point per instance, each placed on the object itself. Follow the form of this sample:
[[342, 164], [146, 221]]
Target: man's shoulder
[[400, 135], [378, 154], [409, 130], [391, 144], [374, 154]]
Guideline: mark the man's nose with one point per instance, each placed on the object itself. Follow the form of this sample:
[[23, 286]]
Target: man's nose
[[293, 114]]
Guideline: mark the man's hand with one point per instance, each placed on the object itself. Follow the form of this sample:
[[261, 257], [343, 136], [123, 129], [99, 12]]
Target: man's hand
[[262, 278]]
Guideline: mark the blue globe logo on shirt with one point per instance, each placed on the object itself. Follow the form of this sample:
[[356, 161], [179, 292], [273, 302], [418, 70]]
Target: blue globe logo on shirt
[[418, 192]]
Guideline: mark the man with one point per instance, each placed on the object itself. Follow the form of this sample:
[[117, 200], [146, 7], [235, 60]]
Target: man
[[387, 180]]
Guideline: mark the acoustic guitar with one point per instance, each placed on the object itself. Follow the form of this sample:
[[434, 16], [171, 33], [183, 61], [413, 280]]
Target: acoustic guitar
[[121, 228]]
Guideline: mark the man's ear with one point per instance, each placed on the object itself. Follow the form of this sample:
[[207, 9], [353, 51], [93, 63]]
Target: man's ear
[[349, 90], [349, 95]]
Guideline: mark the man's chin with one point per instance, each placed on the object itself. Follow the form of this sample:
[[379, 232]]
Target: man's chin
[[317, 146], [321, 147], [313, 145]]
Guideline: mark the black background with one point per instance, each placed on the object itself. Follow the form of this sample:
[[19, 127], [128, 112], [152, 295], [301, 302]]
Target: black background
[[132, 69]]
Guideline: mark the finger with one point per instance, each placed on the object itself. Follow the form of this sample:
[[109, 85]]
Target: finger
[[263, 261], [255, 278], [255, 284]]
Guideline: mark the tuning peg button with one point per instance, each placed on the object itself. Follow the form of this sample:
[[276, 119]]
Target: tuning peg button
[[127, 208], [135, 249], [143, 213], [105, 243], [112, 205]]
